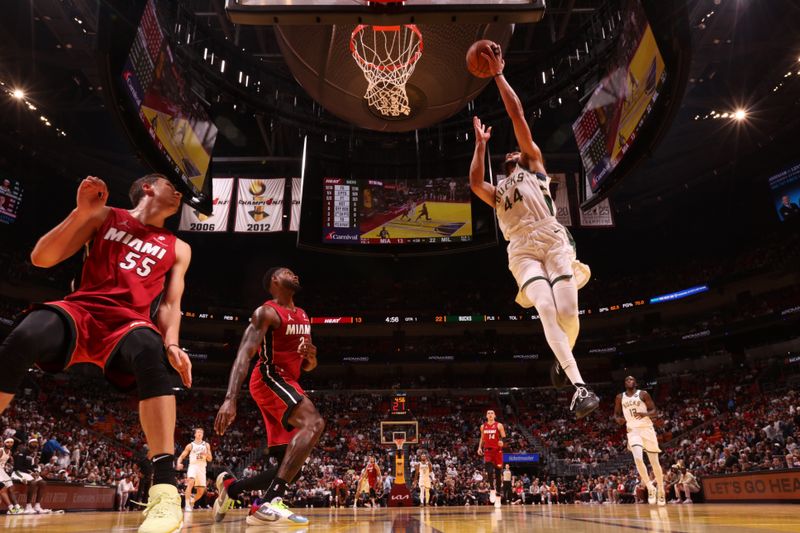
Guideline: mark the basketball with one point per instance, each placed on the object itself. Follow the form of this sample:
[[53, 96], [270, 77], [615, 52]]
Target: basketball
[[476, 63]]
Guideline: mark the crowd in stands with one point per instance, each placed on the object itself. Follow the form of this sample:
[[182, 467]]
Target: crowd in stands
[[706, 425]]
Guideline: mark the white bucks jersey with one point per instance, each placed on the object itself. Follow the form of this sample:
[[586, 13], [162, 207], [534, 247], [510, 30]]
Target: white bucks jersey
[[634, 404], [521, 199], [198, 453], [424, 473]]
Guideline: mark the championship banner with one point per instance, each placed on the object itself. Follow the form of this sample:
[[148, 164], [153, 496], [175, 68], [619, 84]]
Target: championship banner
[[558, 187], [294, 221], [259, 206], [598, 216], [194, 220], [770, 486]]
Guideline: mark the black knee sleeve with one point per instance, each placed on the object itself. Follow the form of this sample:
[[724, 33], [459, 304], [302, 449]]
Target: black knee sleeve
[[42, 337], [142, 354]]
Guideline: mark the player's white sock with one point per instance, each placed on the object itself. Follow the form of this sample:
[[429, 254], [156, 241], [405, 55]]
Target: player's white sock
[[565, 294], [656, 464], [540, 293]]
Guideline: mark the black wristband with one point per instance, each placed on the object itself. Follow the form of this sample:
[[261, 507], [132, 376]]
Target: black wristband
[[498, 74], [167, 347]]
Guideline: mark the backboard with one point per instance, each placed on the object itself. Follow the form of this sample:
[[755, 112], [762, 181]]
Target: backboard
[[392, 430], [326, 12]]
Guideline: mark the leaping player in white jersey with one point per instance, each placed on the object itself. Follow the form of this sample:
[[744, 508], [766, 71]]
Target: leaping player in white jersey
[[541, 253], [635, 408], [199, 452]]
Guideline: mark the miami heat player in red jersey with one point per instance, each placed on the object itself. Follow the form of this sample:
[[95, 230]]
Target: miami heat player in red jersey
[[280, 333], [132, 265], [491, 447]]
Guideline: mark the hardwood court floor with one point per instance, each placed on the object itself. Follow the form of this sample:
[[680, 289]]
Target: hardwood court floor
[[731, 518]]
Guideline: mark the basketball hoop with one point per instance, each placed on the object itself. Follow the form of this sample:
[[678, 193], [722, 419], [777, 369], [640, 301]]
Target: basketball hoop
[[399, 442], [387, 55]]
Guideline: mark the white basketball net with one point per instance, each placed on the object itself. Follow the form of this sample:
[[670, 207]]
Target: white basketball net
[[387, 55]]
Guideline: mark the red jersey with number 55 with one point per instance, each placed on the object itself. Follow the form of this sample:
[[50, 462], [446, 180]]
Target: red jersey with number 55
[[124, 273], [127, 264]]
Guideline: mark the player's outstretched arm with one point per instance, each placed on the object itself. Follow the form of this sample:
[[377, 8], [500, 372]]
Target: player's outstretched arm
[[263, 318], [64, 241], [618, 418], [482, 189], [531, 154], [169, 313]]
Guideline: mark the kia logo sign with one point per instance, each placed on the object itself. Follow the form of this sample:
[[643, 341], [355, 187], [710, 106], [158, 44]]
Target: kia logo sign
[[400, 496]]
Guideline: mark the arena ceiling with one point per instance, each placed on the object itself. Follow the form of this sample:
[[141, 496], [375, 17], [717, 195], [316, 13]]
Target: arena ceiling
[[741, 49]]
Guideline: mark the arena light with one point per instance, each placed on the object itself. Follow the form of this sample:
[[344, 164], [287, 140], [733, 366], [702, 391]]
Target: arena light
[[740, 115], [19, 94]]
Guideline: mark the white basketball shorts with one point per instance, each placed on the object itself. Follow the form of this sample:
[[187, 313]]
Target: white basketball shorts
[[5, 479], [546, 252], [198, 472], [644, 437]]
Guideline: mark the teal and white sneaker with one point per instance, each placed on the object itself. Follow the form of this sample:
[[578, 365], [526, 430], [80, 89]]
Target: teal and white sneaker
[[223, 503], [274, 511]]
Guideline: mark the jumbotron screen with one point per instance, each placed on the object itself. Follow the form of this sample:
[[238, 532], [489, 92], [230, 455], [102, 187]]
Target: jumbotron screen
[[10, 198], [396, 211], [620, 104], [174, 116]]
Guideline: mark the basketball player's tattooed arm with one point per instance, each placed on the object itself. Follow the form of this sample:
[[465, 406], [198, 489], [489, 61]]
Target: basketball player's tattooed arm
[[482, 189], [66, 239], [262, 320], [618, 418], [651, 406], [531, 157], [168, 318]]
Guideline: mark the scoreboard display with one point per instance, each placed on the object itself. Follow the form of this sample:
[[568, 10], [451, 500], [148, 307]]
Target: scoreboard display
[[398, 211], [341, 206], [398, 405]]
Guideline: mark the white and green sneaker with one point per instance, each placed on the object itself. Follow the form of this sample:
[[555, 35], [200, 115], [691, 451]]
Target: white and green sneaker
[[223, 503], [274, 511], [651, 493]]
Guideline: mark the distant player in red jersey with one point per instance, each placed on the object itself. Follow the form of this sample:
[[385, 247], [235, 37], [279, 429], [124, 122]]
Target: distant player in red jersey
[[280, 333], [339, 489], [491, 448], [371, 474], [132, 262]]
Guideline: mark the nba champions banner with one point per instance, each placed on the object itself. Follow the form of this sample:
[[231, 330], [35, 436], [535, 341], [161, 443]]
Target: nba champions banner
[[599, 216], [294, 223], [193, 220], [259, 206]]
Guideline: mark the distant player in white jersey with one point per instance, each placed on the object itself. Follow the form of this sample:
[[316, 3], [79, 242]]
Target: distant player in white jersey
[[541, 253], [6, 484], [635, 408], [423, 479], [199, 452]]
